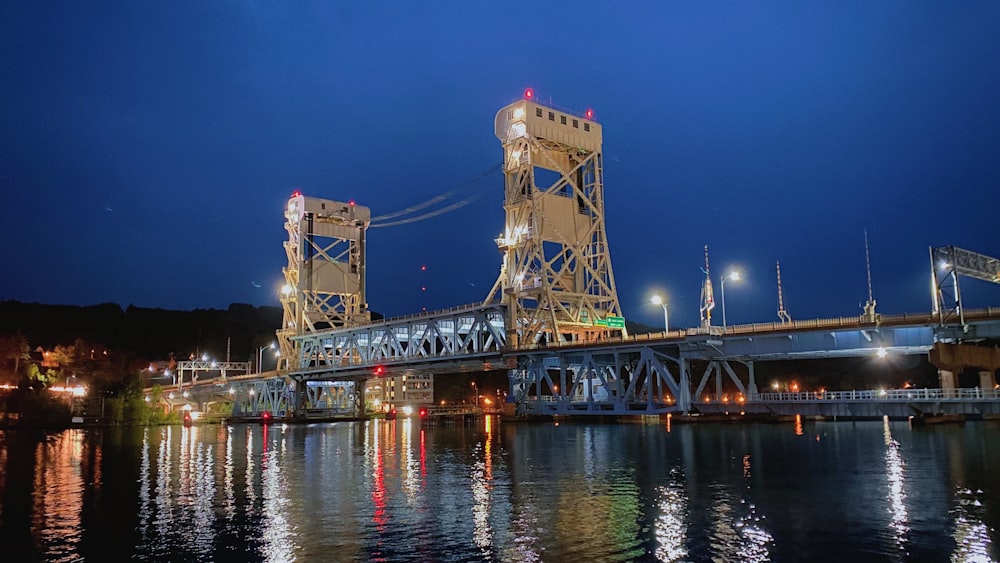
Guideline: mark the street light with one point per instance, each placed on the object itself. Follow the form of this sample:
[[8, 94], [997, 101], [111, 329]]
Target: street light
[[657, 300], [735, 276], [476, 390], [260, 355]]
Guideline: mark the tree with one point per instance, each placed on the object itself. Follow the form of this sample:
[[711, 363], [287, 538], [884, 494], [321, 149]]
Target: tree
[[14, 349], [44, 377]]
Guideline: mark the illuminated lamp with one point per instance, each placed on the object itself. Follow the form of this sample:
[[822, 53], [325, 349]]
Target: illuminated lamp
[[529, 94], [590, 114]]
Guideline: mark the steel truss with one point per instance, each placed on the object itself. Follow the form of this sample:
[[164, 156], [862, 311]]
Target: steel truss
[[606, 381], [556, 278], [281, 397], [467, 333], [947, 264], [254, 397], [195, 366], [325, 277], [639, 380]]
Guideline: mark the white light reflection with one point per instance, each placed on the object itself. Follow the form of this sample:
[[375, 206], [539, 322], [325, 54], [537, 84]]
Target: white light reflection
[[230, 509], [671, 532], [203, 510], [897, 494], [411, 471], [277, 538], [145, 515], [738, 533], [972, 535], [164, 486], [755, 539], [482, 477]]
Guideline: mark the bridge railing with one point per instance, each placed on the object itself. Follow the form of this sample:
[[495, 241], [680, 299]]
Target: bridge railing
[[428, 314], [756, 328], [869, 395]]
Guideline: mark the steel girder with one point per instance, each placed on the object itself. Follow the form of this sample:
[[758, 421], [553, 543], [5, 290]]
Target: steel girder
[[610, 381], [459, 334], [254, 397], [281, 397]]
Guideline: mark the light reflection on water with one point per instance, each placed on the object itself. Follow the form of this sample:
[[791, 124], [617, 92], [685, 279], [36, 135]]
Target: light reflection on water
[[400, 491], [895, 476]]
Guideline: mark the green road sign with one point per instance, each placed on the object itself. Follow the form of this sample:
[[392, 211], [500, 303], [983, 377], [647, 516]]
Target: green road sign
[[600, 322], [616, 322]]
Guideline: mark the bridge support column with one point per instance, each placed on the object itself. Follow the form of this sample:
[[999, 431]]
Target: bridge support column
[[684, 400], [987, 380], [947, 379], [752, 392]]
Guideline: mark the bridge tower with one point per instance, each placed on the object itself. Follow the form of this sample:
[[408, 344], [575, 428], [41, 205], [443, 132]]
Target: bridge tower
[[556, 279], [325, 277]]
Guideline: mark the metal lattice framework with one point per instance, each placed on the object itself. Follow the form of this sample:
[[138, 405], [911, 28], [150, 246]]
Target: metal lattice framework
[[949, 262], [464, 333], [325, 277], [209, 366], [280, 397], [556, 278]]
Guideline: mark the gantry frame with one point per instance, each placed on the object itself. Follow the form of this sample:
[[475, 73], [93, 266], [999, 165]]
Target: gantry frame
[[325, 278], [556, 278], [947, 264]]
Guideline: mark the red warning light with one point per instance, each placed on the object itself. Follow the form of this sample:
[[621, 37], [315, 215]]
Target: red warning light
[[423, 268], [351, 203], [529, 93], [590, 114], [423, 413], [379, 370], [296, 193]]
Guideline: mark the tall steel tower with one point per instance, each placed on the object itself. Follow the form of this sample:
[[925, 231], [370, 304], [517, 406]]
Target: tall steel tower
[[556, 277], [325, 277]]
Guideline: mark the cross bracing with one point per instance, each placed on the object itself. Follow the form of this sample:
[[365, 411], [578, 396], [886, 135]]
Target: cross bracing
[[556, 277], [325, 277], [947, 264], [472, 333]]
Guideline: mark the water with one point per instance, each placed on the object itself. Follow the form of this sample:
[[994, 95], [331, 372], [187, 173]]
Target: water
[[396, 491]]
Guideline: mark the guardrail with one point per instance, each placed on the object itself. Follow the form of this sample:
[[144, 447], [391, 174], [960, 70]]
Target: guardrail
[[928, 319], [903, 395]]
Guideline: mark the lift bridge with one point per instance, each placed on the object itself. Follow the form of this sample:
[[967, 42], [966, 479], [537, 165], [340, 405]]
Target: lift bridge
[[553, 321]]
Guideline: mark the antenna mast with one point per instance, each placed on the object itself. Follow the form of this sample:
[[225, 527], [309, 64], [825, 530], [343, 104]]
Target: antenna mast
[[707, 297], [782, 313], [869, 308]]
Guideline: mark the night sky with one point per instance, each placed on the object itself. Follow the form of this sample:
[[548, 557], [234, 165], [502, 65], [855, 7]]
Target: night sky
[[147, 149]]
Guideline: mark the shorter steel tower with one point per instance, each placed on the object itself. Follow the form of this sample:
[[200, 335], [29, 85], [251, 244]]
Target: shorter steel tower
[[325, 277]]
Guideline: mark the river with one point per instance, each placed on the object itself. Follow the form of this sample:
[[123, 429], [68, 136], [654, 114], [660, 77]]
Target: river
[[501, 491]]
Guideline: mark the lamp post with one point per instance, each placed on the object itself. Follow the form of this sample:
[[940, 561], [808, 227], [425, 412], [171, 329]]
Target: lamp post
[[476, 391], [657, 300], [735, 276], [260, 355]]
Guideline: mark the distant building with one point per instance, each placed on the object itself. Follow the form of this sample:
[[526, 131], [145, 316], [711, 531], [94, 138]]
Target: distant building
[[392, 392]]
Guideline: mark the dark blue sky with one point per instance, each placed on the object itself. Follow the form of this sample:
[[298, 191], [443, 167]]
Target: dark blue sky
[[147, 148]]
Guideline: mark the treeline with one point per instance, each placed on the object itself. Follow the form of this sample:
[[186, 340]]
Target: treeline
[[150, 334], [104, 348]]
